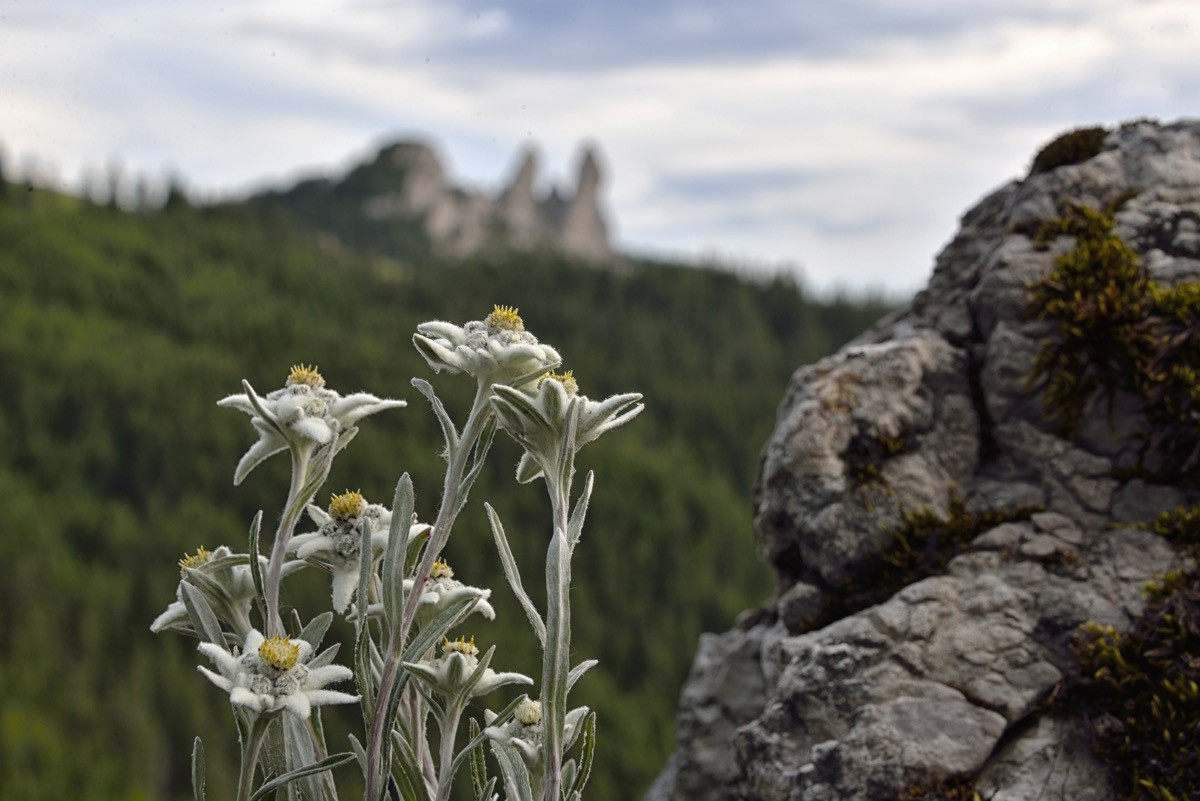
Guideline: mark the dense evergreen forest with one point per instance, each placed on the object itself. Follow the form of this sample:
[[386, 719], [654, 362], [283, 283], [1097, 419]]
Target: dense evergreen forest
[[120, 330]]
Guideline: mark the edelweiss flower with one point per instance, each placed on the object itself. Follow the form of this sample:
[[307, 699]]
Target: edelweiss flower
[[335, 545], [441, 590], [224, 578], [449, 673], [301, 415], [524, 732], [269, 676], [496, 350], [537, 419]]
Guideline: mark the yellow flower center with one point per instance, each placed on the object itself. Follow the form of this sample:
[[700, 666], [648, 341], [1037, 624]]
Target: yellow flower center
[[194, 560], [302, 374], [441, 569], [505, 317], [461, 645], [567, 379], [279, 652], [347, 506]]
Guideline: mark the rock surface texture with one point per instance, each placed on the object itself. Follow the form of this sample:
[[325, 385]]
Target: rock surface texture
[[815, 697]]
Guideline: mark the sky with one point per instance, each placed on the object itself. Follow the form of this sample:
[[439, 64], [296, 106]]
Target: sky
[[839, 140]]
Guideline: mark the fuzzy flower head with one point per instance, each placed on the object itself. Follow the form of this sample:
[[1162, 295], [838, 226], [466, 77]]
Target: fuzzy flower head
[[536, 415], [335, 545], [459, 670], [225, 580], [269, 676], [441, 590], [523, 734], [495, 350], [301, 415]]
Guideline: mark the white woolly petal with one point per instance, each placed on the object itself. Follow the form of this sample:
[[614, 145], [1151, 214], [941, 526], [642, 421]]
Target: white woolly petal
[[254, 641], [438, 356], [327, 674], [265, 447], [305, 651], [417, 530], [318, 515], [222, 682], [176, 612], [226, 662], [485, 609], [322, 697], [298, 704], [345, 582], [289, 567], [243, 697], [357, 406], [240, 402], [318, 544], [314, 428], [441, 328], [492, 680]]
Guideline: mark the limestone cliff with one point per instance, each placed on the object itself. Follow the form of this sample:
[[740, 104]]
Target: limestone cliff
[[404, 186], [856, 686]]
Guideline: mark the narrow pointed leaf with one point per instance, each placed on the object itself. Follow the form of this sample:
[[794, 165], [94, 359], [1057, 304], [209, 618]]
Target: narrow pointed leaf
[[579, 670], [393, 561], [516, 775], [315, 631], [575, 525], [509, 563], [587, 755], [198, 770], [408, 771], [328, 763], [201, 614], [256, 575], [439, 411], [478, 760]]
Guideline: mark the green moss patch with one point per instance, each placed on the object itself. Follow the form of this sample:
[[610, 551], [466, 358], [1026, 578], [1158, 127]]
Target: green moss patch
[[1116, 329], [1073, 147]]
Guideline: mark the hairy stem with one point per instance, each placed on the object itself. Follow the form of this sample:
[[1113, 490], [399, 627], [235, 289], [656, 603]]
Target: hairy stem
[[287, 524], [254, 741], [452, 490]]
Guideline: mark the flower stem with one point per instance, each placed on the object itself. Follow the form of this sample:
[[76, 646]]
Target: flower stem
[[452, 491], [254, 741], [300, 459], [558, 634]]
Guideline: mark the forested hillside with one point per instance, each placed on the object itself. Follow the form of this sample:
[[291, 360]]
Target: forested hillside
[[118, 333]]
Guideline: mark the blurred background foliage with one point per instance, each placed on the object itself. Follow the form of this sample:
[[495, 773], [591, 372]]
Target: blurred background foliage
[[120, 330]]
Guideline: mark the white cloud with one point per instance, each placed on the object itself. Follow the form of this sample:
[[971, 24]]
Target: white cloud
[[893, 133]]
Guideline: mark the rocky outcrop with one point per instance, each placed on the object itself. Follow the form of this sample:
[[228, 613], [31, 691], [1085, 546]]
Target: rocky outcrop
[[855, 686], [409, 181]]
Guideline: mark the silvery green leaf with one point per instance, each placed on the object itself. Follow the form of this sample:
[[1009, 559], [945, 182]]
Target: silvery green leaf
[[586, 757], [556, 655], [578, 671], [575, 525], [256, 568], [406, 770], [198, 770], [439, 411], [328, 763], [478, 759], [403, 504], [325, 657], [201, 614], [315, 631], [516, 775], [513, 574]]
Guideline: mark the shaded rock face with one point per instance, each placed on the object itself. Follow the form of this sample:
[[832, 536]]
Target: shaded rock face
[[411, 182], [948, 677]]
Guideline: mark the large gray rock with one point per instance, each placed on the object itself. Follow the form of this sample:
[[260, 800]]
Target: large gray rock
[[931, 408]]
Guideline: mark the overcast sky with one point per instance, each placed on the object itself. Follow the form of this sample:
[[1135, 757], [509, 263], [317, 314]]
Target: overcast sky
[[838, 139]]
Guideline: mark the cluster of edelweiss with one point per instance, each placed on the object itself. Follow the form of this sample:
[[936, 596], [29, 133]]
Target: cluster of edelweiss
[[389, 580]]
